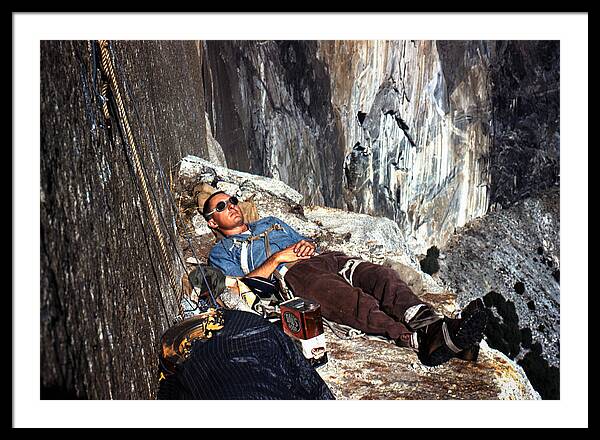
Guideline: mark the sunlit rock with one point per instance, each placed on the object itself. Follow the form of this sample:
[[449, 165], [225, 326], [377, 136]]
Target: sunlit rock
[[362, 366]]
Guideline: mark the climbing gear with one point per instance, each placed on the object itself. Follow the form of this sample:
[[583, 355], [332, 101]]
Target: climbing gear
[[246, 245], [222, 205], [263, 295], [207, 278], [300, 318], [448, 338], [264, 288], [244, 257], [343, 331], [265, 298], [176, 342], [203, 279], [248, 359], [246, 249]]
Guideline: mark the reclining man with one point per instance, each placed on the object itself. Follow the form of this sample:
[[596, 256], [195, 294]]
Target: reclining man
[[354, 292]]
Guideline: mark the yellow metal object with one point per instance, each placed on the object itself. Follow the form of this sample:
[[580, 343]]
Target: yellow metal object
[[177, 341], [246, 293]]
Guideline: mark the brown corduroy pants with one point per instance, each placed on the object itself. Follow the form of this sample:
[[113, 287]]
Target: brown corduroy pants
[[375, 302]]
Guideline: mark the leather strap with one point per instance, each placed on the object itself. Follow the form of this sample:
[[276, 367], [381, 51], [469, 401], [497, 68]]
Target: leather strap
[[284, 288], [447, 339]]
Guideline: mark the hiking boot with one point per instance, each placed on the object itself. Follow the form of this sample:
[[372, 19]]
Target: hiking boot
[[448, 338], [471, 353]]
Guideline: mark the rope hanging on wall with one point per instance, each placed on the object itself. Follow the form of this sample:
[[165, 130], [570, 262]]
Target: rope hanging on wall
[[108, 68]]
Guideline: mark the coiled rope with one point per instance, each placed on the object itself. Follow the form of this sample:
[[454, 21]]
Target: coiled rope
[[345, 332]]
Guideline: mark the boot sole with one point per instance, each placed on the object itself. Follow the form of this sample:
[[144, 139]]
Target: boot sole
[[470, 333]]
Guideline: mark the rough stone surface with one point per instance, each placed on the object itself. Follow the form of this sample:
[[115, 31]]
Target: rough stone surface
[[105, 293], [525, 151], [377, 370], [511, 259], [370, 367]]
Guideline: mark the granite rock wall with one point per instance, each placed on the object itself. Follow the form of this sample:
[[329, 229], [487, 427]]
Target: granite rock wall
[[430, 134], [427, 133], [105, 291]]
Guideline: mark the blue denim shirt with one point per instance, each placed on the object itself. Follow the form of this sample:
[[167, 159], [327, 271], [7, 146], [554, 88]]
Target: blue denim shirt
[[226, 254]]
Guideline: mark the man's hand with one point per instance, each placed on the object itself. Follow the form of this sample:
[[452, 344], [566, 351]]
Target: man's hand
[[299, 251], [304, 248]]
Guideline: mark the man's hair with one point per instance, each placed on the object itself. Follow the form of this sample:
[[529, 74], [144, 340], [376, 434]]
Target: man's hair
[[206, 206]]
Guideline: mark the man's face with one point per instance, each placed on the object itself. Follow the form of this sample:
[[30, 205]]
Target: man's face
[[229, 218]]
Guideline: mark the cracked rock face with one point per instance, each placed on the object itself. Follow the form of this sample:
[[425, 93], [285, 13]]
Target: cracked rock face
[[511, 259], [427, 133], [364, 367], [417, 154]]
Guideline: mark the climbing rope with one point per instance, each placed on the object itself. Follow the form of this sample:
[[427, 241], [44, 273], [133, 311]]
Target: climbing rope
[[108, 69], [346, 332], [169, 197], [343, 331]]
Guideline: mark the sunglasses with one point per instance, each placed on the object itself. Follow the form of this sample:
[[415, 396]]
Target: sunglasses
[[222, 205]]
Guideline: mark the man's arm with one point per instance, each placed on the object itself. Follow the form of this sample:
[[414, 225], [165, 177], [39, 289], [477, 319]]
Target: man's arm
[[304, 246], [267, 268], [302, 250]]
